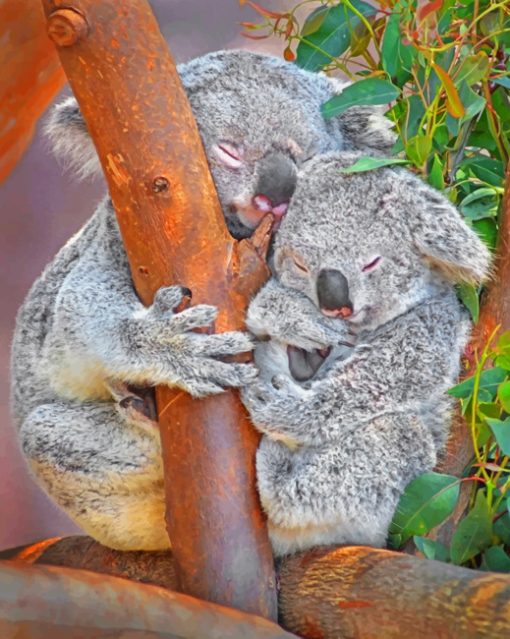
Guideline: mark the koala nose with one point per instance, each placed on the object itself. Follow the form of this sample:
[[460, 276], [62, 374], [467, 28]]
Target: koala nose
[[333, 293]]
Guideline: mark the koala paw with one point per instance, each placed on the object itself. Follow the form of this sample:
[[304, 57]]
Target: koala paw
[[163, 347], [275, 404]]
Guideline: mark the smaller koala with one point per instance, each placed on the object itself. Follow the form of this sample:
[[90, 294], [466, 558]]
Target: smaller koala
[[363, 334]]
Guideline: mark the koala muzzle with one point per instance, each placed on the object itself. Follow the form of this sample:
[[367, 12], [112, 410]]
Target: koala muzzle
[[276, 184], [333, 293]]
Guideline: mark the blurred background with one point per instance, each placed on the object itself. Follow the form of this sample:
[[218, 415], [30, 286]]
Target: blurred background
[[41, 207]]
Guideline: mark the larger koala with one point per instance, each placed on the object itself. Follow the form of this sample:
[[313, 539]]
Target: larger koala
[[82, 336], [366, 336]]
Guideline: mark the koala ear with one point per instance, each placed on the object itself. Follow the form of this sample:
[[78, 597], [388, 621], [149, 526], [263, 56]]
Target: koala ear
[[364, 128], [70, 140], [446, 241]]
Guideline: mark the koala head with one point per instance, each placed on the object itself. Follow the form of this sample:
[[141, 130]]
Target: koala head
[[259, 118], [367, 247]]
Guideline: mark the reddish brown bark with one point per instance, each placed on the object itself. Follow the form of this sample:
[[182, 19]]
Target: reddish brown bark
[[31, 76], [351, 592], [364, 593], [43, 602], [173, 229]]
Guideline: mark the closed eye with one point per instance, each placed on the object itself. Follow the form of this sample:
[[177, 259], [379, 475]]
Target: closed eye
[[300, 265], [229, 155], [371, 265]]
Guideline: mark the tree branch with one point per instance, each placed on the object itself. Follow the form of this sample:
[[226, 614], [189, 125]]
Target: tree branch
[[173, 229]]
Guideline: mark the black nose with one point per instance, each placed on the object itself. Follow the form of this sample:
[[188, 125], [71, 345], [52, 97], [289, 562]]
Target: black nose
[[277, 178], [333, 292]]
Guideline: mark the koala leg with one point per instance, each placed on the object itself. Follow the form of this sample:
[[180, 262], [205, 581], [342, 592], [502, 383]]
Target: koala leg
[[346, 492], [104, 471]]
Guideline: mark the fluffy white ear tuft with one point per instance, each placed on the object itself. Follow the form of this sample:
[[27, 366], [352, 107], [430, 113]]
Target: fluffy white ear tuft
[[446, 241], [70, 140]]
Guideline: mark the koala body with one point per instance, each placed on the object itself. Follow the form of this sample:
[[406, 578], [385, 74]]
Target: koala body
[[83, 338], [373, 257]]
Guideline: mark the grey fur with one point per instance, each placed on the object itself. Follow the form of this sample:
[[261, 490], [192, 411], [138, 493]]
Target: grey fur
[[339, 449], [82, 336]]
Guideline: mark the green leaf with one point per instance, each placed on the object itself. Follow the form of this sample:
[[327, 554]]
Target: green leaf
[[468, 295], [396, 57], [418, 149], [473, 69], [474, 533], [436, 178], [502, 528], [329, 29], [489, 381], [504, 342], [488, 232], [489, 409], [486, 169], [503, 361], [413, 113], [504, 396], [495, 559], [426, 502], [369, 91], [370, 163], [431, 548], [501, 431], [314, 21], [484, 191], [503, 80]]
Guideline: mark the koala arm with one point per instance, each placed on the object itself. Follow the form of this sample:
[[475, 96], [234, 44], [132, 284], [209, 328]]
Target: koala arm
[[100, 331], [402, 365], [284, 314]]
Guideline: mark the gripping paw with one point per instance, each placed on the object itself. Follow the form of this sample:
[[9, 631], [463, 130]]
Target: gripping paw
[[290, 317], [275, 404], [166, 349]]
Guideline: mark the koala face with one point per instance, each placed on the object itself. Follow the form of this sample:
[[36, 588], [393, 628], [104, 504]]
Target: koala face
[[368, 247], [259, 119]]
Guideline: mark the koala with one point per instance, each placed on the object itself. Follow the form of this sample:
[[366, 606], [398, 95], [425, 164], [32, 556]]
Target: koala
[[84, 343], [362, 334]]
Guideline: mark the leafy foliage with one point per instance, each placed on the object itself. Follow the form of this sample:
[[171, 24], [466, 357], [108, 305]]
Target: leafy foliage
[[443, 70]]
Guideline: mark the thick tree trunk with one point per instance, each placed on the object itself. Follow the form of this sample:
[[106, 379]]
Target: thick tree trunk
[[43, 602], [172, 225]]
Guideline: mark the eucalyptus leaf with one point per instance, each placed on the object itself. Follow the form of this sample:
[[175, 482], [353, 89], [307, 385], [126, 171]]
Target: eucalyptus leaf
[[328, 33], [501, 431], [468, 295], [489, 381], [502, 528], [426, 502], [396, 57], [474, 532], [369, 91], [369, 163], [504, 395], [473, 69], [495, 559], [431, 548]]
